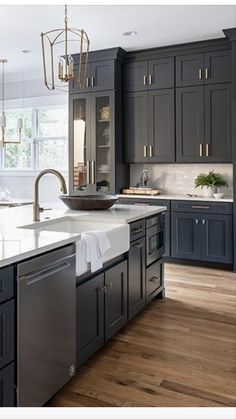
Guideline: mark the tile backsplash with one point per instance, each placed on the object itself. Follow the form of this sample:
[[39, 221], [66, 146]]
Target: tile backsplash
[[178, 179]]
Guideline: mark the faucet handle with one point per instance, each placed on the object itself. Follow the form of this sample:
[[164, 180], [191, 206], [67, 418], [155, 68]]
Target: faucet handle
[[41, 209]]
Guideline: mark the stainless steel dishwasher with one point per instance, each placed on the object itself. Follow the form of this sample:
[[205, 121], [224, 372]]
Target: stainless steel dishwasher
[[46, 332]]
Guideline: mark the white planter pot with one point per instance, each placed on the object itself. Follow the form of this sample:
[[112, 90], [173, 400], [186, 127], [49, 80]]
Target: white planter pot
[[207, 192]]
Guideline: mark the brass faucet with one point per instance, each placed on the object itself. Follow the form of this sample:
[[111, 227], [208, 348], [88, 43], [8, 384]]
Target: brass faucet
[[36, 208]]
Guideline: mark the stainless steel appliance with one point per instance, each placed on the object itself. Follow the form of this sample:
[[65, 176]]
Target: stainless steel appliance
[[46, 288], [155, 238]]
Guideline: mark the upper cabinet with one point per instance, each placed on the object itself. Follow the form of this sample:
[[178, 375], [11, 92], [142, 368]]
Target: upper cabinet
[[100, 76], [148, 75], [205, 68]]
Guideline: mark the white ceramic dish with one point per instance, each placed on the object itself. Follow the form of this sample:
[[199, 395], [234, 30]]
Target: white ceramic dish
[[218, 195]]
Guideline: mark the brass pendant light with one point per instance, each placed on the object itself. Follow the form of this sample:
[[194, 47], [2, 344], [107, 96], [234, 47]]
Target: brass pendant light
[[53, 40], [3, 121]]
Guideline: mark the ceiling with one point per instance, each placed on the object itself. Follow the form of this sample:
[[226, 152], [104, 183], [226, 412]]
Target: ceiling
[[20, 28]]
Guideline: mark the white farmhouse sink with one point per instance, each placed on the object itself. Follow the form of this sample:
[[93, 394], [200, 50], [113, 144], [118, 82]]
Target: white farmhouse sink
[[118, 235]]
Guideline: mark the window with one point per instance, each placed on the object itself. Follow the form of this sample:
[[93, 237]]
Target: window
[[44, 141]]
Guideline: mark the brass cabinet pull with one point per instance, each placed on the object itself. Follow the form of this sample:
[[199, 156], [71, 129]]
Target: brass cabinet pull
[[207, 150], [206, 73], [138, 245], [103, 289], [109, 286], [200, 74], [150, 78], [93, 171], [201, 150], [92, 81], [154, 279], [151, 150], [87, 82], [145, 151], [200, 207], [145, 80], [196, 221], [203, 221], [88, 172], [136, 230]]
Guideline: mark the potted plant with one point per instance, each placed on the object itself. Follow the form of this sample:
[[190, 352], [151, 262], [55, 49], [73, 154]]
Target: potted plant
[[210, 183]]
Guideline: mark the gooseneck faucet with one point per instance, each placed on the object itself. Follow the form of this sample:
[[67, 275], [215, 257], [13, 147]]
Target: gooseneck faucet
[[36, 207]]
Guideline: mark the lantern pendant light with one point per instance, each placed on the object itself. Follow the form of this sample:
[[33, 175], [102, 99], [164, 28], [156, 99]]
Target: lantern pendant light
[[3, 121], [58, 42]]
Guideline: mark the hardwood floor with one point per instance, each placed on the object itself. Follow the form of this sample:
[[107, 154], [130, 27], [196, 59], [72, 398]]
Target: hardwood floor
[[178, 353]]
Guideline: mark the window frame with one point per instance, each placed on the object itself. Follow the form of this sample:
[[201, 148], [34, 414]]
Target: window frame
[[35, 141]]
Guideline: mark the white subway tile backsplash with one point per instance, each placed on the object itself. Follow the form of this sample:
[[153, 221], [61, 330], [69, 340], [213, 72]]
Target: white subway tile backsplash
[[178, 179]]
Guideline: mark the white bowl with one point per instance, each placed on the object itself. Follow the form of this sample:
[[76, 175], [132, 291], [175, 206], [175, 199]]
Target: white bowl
[[219, 195]]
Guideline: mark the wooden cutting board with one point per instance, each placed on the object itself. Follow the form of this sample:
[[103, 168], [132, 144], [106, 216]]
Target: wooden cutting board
[[135, 191]]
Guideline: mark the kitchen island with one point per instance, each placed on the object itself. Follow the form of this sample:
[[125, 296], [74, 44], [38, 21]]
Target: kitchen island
[[45, 306]]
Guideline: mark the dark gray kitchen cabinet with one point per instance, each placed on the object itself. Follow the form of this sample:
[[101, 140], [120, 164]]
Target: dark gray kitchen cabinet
[[136, 127], [149, 126], [218, 123], [100, 76], [149, 75], [6, 333], [7, 388], [204, 68], [185, 235], [189, 124], [217, 238], [136, 277], [161, 126], [135, 76], [115, 299], [203, 123], [6, 283], [89, 318], [189, 70]]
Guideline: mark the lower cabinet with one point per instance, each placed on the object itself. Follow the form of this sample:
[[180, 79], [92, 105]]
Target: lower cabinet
[[7, 386], [154, 279], [136, 287], [101, 310], [202, 236]]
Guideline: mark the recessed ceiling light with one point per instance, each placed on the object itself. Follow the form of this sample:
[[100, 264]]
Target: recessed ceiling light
[[25, 51], [130, 33]]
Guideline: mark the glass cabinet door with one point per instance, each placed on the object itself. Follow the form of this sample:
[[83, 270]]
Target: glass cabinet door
[[103, 136], [80, 154]]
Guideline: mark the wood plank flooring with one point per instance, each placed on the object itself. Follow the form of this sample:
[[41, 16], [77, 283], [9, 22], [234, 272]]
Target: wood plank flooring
[[178, 353]]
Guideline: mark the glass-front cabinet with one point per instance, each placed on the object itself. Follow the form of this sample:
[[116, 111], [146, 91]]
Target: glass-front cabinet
[[92, 143]]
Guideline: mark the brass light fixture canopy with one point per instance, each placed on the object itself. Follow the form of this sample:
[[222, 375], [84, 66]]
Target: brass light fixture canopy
[[3, 121], [62, 39]]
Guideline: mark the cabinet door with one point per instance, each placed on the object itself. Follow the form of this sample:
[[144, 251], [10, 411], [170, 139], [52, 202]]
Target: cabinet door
[[161, 73], [161, 126], [116, 299], [189, 124], [89, 318], [135, 76], [185, 235], [218, 123], [136, 127], [136, 277], [6, 333], [217, 67], [217, 238], [74, 86], [79, 143], [7, 386], [189, 70], [103, 142], [102, 75]]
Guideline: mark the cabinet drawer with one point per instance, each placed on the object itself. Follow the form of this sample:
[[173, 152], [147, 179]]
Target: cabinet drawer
[[6, 333], [202, 207], [7, 386], [6, 283], [137, 230], [153, 279]]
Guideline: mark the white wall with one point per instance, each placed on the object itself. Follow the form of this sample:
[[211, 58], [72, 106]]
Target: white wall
[[179, 178]]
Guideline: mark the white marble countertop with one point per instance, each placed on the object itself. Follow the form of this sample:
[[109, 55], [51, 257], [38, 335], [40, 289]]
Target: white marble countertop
[[18, 243], [177, 197], [15, 202]]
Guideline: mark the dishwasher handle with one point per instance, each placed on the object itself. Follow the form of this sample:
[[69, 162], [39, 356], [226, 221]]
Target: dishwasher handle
[[44, 273]]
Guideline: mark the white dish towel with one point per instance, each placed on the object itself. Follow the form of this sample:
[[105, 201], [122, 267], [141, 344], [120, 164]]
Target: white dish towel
[[90, 249]]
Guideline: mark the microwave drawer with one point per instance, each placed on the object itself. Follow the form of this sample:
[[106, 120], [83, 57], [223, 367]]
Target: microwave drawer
[[154, 274]]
